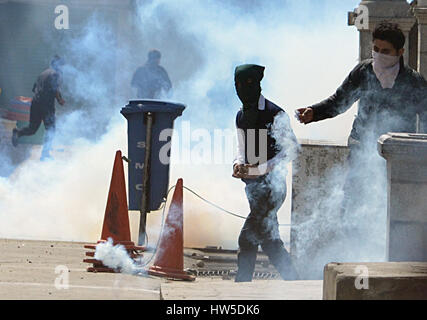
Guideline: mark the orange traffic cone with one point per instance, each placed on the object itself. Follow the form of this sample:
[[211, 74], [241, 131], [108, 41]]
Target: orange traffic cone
[[116, 219], [169, 260]]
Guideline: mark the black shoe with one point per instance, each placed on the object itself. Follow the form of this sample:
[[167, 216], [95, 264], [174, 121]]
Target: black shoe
[[15, 137]]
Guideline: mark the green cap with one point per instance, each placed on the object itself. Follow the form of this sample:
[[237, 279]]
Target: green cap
[[246, 71]]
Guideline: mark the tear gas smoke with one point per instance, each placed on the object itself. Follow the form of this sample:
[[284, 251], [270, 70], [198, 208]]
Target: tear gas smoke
[[115, 257], [65, 199], [355, 232]]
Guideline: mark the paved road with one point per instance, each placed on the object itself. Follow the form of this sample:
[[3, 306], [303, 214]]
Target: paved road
[[39, 269], [28, 271]]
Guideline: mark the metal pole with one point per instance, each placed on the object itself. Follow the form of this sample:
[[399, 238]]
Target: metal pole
[[146, 180]]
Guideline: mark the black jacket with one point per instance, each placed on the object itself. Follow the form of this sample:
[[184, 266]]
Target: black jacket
[[46, 88], [380, 110], [264, 122]]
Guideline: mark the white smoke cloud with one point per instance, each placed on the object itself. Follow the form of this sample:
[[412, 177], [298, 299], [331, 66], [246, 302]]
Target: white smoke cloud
[[295, 76], [116, 257], [65, 199], [330, 234]]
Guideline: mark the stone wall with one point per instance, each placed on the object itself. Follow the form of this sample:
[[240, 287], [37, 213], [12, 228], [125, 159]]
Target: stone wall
[[314, 184], [406, 156]]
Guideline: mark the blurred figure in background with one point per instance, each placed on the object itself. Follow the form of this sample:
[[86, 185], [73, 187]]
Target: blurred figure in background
[[46, 90], [151, 80]]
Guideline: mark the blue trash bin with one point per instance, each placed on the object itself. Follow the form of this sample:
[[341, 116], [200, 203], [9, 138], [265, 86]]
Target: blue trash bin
[[163, 115]]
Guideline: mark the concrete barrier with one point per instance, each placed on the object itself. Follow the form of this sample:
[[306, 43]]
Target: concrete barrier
[[375, 281]]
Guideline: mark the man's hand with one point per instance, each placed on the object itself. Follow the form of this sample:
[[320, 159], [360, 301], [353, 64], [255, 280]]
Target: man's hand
[[305, 115], [59, 98], [239, 170], [247, 174]]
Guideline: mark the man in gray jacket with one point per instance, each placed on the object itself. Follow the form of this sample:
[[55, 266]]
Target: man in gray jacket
[[390, 96]]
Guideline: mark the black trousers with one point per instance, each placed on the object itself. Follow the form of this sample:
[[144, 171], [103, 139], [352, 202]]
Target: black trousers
[[40, 112], [262, 228]]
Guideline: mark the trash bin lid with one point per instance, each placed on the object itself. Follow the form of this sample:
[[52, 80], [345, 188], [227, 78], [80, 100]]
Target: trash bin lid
[[155, 106]]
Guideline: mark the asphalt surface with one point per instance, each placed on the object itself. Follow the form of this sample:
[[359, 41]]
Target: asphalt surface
[[43, 270]]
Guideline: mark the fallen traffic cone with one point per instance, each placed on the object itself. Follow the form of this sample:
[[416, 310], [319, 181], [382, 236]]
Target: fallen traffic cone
[[169, 259], [116, 219]]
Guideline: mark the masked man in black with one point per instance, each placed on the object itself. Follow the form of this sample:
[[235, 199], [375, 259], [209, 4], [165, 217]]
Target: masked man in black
[[390, 96], [46, 90], [260, 163]]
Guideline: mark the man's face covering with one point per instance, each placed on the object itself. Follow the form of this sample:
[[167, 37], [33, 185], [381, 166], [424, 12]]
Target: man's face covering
[[248, 87], [248, 78]]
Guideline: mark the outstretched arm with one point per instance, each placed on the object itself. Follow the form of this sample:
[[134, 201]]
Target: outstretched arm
[[345, 96]]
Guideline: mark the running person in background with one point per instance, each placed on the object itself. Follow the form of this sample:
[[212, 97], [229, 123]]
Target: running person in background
[[151, 80], [257, 164], [46, 90]]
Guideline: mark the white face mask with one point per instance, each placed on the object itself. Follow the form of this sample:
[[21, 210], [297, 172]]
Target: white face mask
[[385, 60], [386, 68]]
